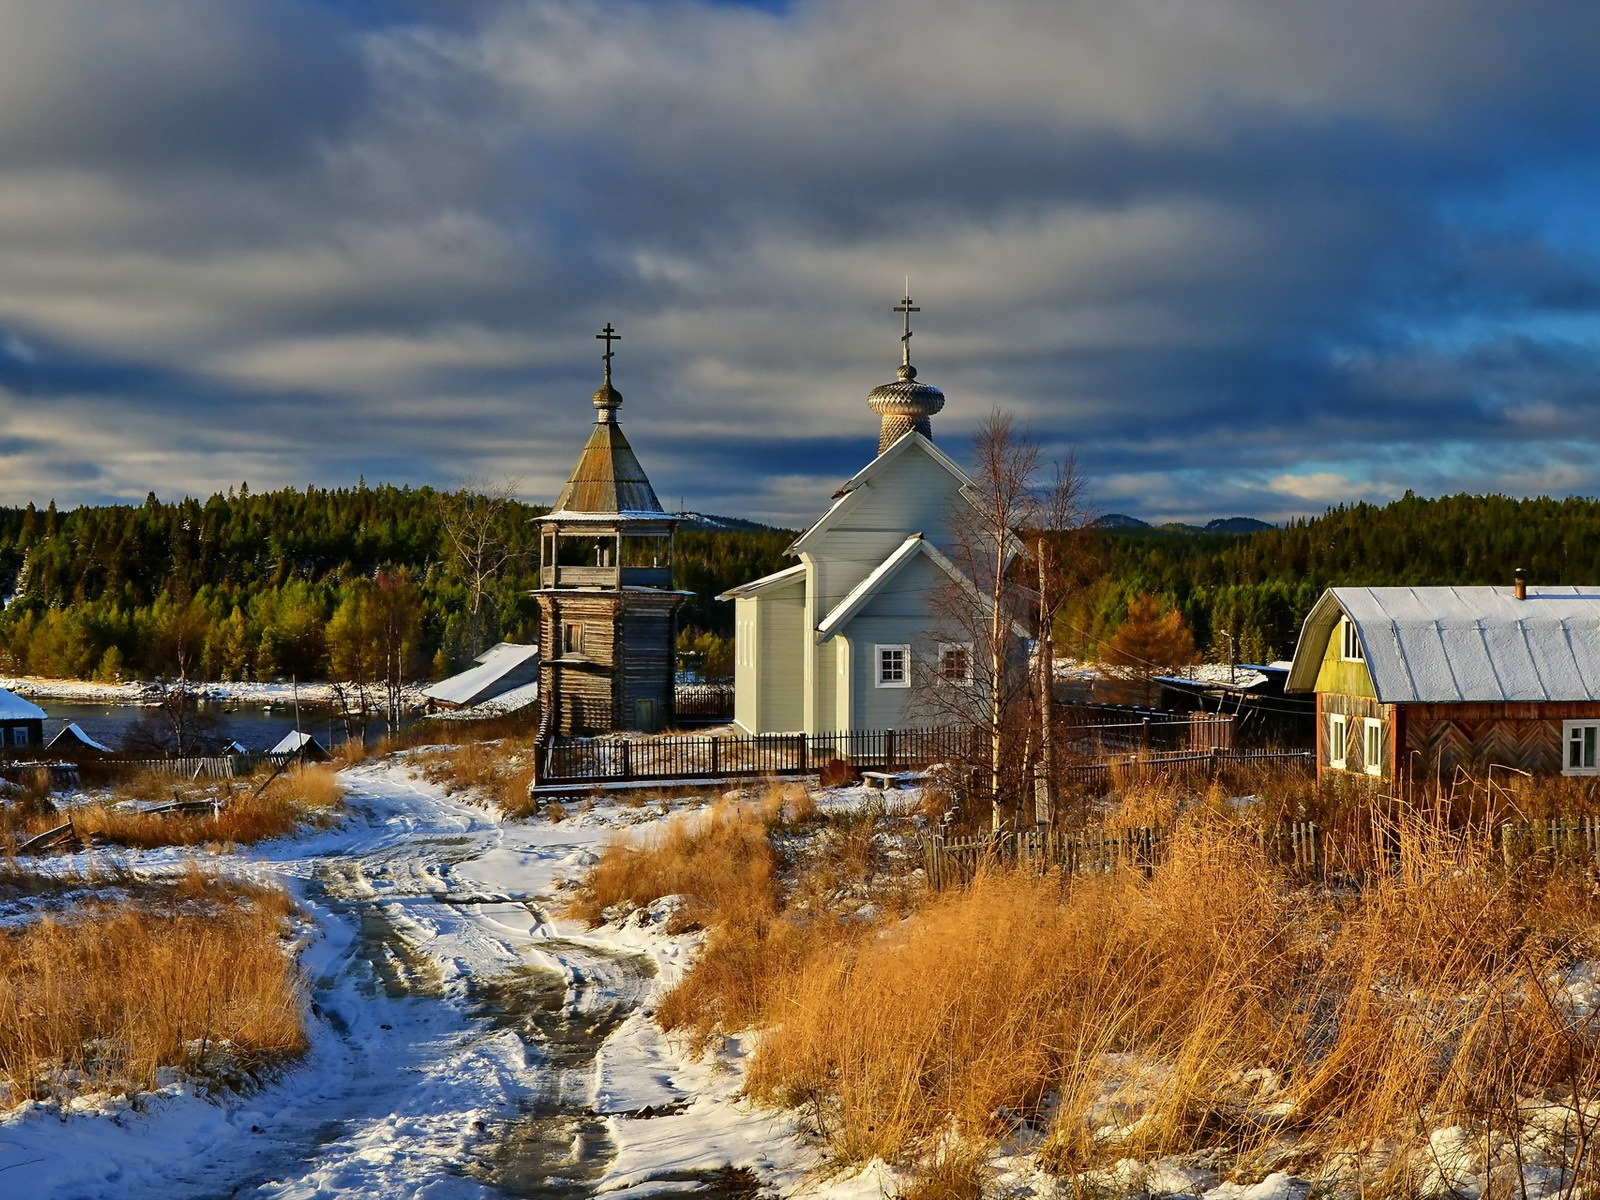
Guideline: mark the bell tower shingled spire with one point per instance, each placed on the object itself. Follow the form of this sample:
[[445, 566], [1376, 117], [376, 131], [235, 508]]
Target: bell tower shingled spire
[[905, 404]]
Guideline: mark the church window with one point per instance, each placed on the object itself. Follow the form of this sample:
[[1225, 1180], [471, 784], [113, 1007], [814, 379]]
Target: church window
[[572, 637], [955, 662], [894, 666]]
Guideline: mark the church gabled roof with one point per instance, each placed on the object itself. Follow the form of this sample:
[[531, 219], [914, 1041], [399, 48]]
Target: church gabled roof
[[849, 495]]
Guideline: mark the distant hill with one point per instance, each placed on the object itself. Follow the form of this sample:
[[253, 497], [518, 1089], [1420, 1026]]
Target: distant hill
[[1237, 525], [1122, 523], [710, 523]]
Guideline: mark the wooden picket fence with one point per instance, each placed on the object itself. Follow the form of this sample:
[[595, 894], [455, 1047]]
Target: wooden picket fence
[[952, 862], [1105, 772], [1299, 847]]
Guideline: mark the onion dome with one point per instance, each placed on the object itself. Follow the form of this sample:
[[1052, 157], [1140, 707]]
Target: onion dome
[[905, 404]]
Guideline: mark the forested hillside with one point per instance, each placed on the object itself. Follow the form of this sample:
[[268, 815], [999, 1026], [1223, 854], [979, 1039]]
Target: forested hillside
[[262, 586], [1257, 588]]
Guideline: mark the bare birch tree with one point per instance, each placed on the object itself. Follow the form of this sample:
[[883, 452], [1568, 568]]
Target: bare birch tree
[[478, 540], [1060, 513]]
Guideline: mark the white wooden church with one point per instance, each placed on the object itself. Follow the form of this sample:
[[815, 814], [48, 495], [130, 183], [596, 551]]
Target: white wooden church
[[851, 637]]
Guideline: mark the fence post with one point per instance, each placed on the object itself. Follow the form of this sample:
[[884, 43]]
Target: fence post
[[627, 759], [889, 748], [805, 757]]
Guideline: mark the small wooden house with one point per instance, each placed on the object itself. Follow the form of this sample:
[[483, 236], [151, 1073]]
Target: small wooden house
[[1423, 681], [21, 724]]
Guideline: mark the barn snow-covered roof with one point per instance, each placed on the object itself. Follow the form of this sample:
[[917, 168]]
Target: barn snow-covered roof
[[1462, 644], [14, 708], [499, 669]]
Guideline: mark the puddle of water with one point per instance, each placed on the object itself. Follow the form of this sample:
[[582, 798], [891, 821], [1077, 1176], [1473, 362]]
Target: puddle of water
[[398, 968], [558, 1149]]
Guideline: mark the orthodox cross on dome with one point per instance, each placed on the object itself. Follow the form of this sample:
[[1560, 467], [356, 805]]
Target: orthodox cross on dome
[[905, 306], [609, 335]]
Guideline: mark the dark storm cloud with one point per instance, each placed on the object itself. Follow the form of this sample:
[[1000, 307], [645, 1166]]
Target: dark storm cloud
[[1244, 255]]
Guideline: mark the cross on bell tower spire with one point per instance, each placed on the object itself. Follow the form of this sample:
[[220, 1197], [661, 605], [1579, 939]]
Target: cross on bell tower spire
[[609, 335], [607, 399]]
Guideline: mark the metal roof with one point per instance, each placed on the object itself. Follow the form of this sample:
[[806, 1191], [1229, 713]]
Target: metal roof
[[499, 669], [608, 479], [1463, 644], [14, 708]]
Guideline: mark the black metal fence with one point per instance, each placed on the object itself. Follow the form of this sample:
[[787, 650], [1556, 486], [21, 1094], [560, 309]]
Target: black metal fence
[[620, 760], [703, 702]]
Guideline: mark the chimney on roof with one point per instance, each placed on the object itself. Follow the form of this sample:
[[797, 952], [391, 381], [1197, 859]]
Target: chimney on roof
[[1522, 585]]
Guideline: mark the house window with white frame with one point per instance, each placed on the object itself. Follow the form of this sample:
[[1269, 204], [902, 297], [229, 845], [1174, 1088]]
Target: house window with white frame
[[893, 666], [1580, 738], [1372, 745], [955, 662], [1350, 642], [1338, 739]]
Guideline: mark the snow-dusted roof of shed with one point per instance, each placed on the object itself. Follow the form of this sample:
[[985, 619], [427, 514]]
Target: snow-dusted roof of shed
[[73, 732], [479, 682], [14, 708], [1463, 644], [295, 741]]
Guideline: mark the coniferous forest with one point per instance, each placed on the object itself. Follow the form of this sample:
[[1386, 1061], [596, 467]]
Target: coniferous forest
[[247, 586], [1246, 595]]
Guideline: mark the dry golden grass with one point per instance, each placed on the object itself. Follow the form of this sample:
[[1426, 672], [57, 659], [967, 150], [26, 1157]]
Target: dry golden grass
[[1210, 1003], [301, 794], [105, 999], [500, 771], [720, 859]]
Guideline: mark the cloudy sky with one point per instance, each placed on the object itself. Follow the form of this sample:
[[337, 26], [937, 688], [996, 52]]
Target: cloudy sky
[[1246, 256]]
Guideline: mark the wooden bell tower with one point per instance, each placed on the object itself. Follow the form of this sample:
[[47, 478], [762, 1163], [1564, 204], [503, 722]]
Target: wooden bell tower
[[607, 609]]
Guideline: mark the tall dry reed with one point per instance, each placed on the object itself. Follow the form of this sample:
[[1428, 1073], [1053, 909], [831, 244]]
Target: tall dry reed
[[1210, 1003], [105, 999]]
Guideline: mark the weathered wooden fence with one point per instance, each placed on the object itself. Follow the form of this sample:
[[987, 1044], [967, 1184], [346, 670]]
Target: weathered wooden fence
[[1159, 732], [1299, 847], [619, 759], [953, 862], [1110, 770]]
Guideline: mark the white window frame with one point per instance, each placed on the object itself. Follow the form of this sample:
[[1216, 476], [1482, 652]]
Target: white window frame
[[1338, 740], [878, 677], [1568, 730], [966, 651], [1350, 649], [1372, 735]]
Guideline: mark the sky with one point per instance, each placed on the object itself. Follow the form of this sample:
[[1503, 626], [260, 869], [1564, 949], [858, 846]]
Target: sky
[[1245, 257]]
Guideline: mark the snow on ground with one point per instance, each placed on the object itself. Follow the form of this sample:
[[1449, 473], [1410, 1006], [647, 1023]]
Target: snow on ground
[[466, 1040], [89, 691]]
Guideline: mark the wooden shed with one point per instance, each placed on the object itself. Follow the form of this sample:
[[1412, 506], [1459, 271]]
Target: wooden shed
[[21, 724], [1422, 681]]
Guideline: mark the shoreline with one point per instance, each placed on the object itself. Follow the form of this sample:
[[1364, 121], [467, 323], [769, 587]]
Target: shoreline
[[318, 694]]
